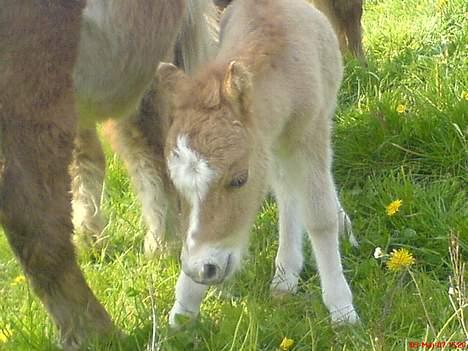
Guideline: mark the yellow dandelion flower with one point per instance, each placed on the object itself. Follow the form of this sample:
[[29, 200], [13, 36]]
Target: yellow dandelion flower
[[286, 344], [18, 280], [401, 108], [441, 4], [399, 260], [394, 207], [5, 334], [464, 95]]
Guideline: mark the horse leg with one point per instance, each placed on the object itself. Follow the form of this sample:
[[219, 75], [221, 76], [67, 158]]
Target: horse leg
[[319, 211], [188, 298], [37, 128], [87, 170], [289, 259], [144, 159], [353, 29], [36, 214]]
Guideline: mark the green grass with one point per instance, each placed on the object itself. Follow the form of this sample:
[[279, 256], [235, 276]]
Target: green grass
[[417, 58]]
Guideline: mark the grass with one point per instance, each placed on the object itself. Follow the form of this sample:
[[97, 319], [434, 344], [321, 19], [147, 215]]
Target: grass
[[417, 58]]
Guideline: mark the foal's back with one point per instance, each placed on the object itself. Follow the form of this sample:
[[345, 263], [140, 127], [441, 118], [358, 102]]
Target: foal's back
[[293, 54]]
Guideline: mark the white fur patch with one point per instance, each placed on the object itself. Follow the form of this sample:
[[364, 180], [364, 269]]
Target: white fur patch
[[192, 176]]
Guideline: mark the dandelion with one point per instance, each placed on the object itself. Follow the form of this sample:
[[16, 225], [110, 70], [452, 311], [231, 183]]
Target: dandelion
[[18, 280], [400, 259], [5, 334], [378, 253], [441, 4], [401, 108], [464, 95], [286, 344], [394, 207]]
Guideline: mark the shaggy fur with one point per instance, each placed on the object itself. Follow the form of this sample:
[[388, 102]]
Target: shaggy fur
[[37, 127], [122, 44], [258, 116], [43, 61]]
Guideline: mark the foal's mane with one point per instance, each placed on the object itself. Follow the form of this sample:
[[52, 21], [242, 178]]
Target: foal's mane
[[264, 40]]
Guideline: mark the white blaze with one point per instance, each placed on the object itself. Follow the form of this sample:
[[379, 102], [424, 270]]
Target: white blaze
[[191, 175]]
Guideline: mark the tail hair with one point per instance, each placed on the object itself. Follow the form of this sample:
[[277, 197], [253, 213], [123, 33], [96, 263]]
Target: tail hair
[[198, 39]]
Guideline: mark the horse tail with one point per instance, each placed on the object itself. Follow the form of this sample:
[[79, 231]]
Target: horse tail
[[198, 39]]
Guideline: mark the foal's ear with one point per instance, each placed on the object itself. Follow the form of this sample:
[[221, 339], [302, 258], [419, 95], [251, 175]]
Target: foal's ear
[[237, 84], [169, 76]]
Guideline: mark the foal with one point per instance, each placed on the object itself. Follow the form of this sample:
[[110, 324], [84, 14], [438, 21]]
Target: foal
[[258, 116]]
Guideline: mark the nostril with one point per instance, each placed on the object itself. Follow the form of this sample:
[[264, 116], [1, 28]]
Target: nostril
[[209, 271]]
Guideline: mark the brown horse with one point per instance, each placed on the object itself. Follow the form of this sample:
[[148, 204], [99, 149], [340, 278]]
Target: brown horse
[[258, 116], [103, 53]]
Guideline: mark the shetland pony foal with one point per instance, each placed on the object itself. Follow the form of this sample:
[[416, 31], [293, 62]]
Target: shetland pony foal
[[259, 115]]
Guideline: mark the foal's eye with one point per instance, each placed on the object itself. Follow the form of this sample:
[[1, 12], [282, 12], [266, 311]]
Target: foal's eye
[[239, 179]]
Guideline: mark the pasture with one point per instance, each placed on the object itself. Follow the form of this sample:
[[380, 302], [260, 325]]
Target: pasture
[[400, 134]]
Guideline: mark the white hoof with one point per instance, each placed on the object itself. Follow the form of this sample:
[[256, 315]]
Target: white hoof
[[180, 316], [154, 244], [345, 315], [284, 284]]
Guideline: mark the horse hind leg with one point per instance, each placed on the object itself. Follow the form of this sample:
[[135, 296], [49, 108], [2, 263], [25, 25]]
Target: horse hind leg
[[88, 170], [144, 159], [349, 14]]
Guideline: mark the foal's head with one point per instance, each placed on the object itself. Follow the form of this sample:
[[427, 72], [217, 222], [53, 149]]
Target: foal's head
[[215, 166]]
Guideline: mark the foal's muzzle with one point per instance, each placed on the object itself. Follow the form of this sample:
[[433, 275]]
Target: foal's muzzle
[[208, 273]]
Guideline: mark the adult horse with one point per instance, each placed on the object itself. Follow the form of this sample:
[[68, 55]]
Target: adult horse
[[44, 68]]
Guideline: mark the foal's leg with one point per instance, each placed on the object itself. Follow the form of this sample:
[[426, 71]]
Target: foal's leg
[[87, 170], [289, 259], [188, 298], [319, 212]]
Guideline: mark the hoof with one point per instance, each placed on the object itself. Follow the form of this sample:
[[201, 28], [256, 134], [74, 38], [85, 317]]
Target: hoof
[[344, 316], [180, 317], [89, 233], [283, 285], [155, 246]]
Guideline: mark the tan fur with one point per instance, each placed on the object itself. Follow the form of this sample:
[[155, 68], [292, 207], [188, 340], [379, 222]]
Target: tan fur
[[224, 132], [261, 113]]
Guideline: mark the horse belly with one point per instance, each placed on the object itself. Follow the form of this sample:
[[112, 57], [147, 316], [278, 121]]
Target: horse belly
[[119, 51]]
